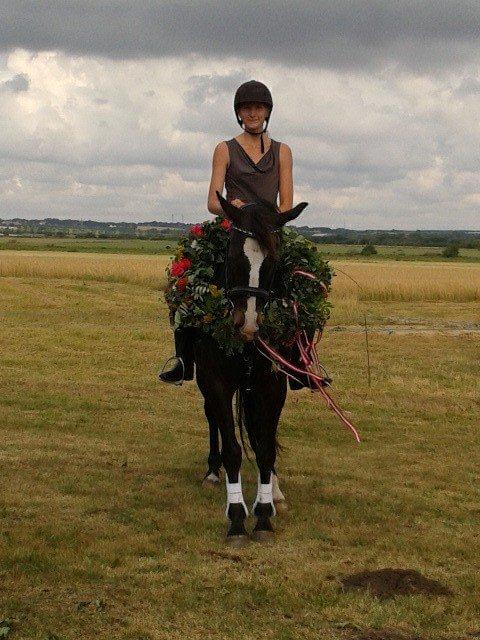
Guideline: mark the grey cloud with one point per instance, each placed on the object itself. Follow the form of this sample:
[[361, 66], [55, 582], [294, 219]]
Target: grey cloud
[[423, 36], [19, 82], [468, 87], [131, 151], [368, 151], [209, 102], [208, 87], [37, 190]]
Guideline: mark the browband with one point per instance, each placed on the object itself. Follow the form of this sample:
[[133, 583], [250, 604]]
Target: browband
[[249, 233]]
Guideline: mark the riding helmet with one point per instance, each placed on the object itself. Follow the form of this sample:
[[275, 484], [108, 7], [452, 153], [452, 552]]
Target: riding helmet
[[253, 91]]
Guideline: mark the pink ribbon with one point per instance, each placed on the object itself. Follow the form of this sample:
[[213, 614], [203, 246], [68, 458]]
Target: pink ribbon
[[309, 358]]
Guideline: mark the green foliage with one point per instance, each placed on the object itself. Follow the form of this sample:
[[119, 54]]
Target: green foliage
[[194, 300], [369, 250], [311, 295], [451, 250]]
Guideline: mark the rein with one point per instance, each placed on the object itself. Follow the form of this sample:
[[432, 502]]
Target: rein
[[306, 348], [309, 358]]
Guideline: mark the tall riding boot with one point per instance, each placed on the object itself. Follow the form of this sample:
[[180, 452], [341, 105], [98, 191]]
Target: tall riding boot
[[184, 357]]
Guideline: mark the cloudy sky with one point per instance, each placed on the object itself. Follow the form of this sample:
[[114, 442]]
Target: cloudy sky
[[110, 110]]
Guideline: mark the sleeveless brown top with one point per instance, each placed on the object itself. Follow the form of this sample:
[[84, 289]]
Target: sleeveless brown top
[[245, 179]]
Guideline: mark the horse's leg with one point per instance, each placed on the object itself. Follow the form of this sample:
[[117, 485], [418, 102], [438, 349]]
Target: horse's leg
[[279, 499], [218, 393], [212, 477], [264, 506], [236, 510], [269, 401]]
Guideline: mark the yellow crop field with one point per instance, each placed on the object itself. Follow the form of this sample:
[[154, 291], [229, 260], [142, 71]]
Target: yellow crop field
[[382, 281]]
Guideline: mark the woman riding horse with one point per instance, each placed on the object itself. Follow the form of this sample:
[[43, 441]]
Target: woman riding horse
[[246, 274], [252, 166], [254, 175]]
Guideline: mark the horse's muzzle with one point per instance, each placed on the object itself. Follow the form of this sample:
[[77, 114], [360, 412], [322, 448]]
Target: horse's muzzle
[[248, 336]]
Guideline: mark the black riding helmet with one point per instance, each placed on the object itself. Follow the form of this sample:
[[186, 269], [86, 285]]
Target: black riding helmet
[[253, 91]]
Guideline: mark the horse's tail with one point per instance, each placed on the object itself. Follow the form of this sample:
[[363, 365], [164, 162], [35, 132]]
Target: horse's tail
[[245, 419]]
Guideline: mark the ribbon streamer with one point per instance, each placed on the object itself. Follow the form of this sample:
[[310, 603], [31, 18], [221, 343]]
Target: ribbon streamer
[[309, 358]]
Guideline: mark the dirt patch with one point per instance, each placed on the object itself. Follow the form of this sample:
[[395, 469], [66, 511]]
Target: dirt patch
[[380, 634], [388, 583], [384, 634], [219, 555]]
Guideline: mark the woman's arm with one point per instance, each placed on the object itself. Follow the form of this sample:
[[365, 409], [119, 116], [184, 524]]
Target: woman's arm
[[285, 187], [219, 167]]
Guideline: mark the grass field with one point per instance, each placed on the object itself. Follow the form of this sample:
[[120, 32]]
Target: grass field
[[156, 247], [95, 245], [106, 531]]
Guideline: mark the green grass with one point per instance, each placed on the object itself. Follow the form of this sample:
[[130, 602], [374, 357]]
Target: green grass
[[107, 533], [424, 254], [139, 246], [109, 245]]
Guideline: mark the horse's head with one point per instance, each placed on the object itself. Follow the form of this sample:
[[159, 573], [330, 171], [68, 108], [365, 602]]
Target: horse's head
[[251, 258]]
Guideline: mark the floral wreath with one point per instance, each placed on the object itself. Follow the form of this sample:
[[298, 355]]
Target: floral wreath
[[193, 300]]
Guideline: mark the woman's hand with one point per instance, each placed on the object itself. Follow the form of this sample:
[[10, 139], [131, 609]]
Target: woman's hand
[[237, 202]]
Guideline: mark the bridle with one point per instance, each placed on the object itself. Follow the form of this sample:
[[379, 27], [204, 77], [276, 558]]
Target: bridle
[[257, 292]]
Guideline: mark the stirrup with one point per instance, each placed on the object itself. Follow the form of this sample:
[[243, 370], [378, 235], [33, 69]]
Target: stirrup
[[176, 382]]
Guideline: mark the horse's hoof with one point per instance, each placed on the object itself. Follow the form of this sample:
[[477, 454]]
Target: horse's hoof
[[261, 535], [281, 506], [237, 541], [210, 481]]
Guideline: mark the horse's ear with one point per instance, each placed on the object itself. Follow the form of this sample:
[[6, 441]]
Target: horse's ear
[[232, 212], [287, 216]]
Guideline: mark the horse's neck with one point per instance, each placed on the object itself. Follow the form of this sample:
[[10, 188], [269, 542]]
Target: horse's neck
[[219, 275]]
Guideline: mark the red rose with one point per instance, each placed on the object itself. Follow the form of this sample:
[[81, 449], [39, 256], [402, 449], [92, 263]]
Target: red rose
[[181, 284], [197, 230], [178, 268], [226, 224]]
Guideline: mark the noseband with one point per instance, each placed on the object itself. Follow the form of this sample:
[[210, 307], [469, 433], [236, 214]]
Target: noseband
[[257, 292]]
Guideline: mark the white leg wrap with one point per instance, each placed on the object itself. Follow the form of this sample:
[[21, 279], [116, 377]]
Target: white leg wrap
[[234, 494], [277, 493], [265, 494]]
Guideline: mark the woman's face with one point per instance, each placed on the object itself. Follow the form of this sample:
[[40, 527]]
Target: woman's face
[[253, 114]]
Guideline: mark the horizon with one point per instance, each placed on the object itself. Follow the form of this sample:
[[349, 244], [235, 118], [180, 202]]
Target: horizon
[[378, 101], [186, 224]]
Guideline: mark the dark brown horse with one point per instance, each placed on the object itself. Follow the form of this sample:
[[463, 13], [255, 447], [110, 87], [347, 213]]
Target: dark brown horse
[[247, 276]]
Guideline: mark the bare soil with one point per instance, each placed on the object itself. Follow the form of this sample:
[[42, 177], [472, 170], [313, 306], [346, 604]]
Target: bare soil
[[388, 583], [385, 634]]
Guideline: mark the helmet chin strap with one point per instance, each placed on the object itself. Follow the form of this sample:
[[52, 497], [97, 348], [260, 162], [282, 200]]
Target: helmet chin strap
[[257, 133]]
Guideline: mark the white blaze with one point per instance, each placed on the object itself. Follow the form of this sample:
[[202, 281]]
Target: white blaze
[[255, 257]]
